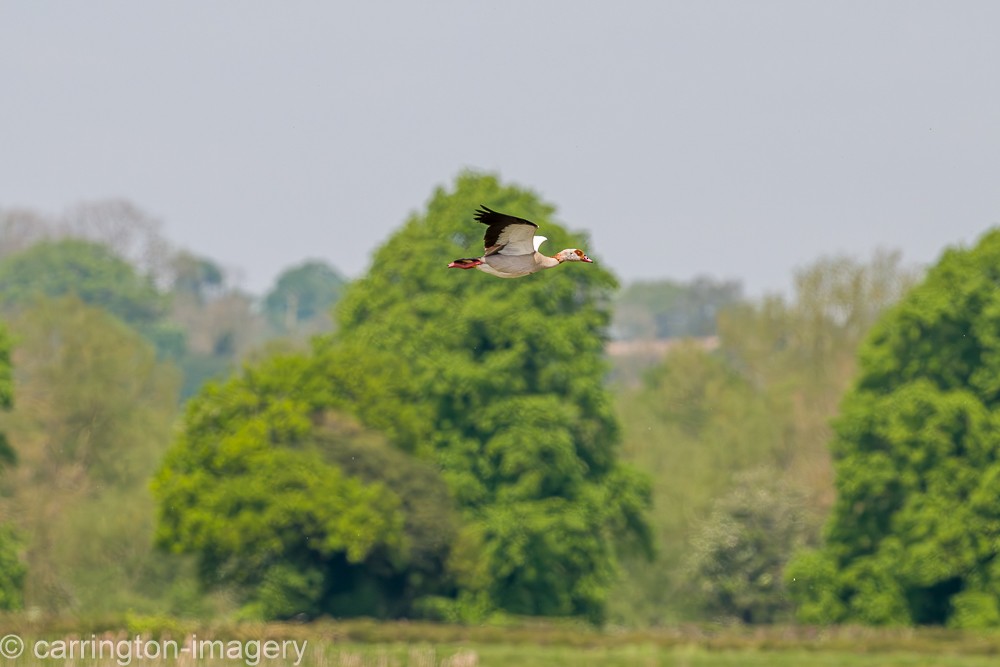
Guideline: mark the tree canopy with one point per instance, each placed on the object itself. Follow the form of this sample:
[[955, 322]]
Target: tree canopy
[[498, 485], [739, 553], [911, 538], [87, 269], [12, 570], [501, 384], [303, 293], [197, 278], [99, 277], [670, 309], [764, 396], [248, 491], [96, 415], [7, 453]]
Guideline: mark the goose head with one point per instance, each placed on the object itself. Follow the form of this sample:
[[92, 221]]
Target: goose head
[[573, 255]]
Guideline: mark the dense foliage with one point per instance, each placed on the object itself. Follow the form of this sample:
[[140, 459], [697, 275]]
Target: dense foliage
[[110, 255], [506, 379], [764, 396], [85, 268], [740, 551], [295, 507], [671, 309], [93, 417], [497, 384], [912, 535], [12, 570], [7, 453], [304, 294], [95, 274], [452, 449]]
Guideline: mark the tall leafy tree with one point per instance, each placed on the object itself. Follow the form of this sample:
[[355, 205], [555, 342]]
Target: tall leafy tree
[[253, 489], [95, 274], [196, 278], [12, 570], [500, 382], [764, 396], [303, 293], [7, 454], [87, 269], [670, 309], [912, 535], [739, 553], [95, 417]]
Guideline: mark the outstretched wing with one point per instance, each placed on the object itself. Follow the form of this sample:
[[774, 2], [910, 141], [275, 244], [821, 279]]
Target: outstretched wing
[[505, 234]]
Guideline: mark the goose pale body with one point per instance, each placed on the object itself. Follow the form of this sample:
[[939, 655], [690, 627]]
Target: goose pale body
[[511, 248]]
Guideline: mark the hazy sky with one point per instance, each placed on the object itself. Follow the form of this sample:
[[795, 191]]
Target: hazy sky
[[735, 139]]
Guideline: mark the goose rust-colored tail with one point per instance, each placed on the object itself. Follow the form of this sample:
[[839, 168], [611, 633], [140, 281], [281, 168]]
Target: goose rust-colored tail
[[468, 263]]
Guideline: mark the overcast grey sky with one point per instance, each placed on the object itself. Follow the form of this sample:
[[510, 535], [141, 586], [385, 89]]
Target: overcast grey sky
[[735, 139]]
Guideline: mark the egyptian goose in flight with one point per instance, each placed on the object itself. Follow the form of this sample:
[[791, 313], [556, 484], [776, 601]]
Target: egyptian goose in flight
[[512, 248]]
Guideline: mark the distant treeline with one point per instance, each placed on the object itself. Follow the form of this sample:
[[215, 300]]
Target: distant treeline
[[435, 444]]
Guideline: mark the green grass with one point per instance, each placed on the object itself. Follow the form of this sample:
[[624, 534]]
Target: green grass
[[539, 643], [326, 654], [646, 655]]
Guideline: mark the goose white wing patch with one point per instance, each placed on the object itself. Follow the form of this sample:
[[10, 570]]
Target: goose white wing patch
[[516, 240], [538, 241], [506, 234]]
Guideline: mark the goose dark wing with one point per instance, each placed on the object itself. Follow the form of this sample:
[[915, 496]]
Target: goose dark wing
[[506, 234]]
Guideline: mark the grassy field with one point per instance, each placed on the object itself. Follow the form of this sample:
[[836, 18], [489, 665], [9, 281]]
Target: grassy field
[[370, 644]]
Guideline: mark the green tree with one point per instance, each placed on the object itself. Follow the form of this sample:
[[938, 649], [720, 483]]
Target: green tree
[[302, 294], [7, 454], [496, 384], [220, 323], [911, 538], [92, 388], [430, 520], [801, 353], [694, 424], [95, 417], [740, 551], [196, 278], [500, 383], [764, 396], [84, 268], [249, 490], [670, 309], [12, 570], [95, 274]]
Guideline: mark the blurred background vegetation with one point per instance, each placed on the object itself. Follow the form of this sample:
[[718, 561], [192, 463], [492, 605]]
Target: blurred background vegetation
[[424, 443]]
